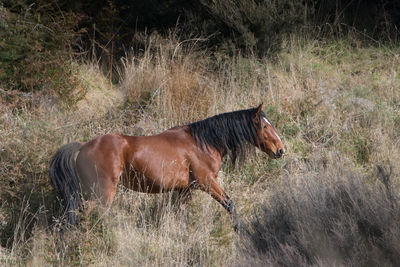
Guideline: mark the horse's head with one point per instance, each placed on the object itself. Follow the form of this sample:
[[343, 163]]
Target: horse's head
[[268, 140]]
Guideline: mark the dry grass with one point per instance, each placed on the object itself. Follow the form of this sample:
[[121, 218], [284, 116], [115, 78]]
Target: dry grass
[[329, 101], [327, 215], [170, 81]]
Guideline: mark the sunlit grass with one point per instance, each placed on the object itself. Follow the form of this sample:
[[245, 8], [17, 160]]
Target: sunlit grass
[[327, 101]]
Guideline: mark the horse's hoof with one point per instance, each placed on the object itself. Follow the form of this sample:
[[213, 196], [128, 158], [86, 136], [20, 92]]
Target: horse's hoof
[[237, 227]]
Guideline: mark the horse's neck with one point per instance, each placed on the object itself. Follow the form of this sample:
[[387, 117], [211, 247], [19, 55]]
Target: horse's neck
[[223, 153]]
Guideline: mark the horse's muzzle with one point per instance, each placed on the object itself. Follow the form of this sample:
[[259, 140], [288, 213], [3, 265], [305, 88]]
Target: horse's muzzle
[[279, 153]]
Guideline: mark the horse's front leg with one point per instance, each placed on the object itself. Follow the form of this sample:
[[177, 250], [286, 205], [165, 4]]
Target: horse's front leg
[[212, 187]]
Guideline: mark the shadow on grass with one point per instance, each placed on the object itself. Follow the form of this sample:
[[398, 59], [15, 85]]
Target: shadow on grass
[[333, 217]]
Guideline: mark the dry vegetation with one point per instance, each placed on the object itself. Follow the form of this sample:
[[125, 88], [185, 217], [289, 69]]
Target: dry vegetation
[[335, 104]]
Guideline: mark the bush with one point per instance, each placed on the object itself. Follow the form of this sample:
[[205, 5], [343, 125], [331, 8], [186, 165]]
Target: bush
[[330, 218], [249, 25], [36, 47]]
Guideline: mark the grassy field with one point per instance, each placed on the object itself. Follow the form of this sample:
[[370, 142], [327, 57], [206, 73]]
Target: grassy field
[[333, 199]]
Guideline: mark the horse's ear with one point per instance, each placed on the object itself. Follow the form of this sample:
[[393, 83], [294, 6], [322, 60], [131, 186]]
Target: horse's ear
[[258, 109], [256, 116]]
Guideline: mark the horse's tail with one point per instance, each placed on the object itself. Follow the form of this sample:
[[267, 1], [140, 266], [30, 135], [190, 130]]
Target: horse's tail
[[65, 180]]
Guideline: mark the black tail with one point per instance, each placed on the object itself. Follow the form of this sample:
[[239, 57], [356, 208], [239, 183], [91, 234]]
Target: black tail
[[65, 180]]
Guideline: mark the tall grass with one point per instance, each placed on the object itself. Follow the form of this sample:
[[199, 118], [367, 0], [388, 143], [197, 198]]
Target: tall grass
[[166, 79], [334, 104], [328, 215]]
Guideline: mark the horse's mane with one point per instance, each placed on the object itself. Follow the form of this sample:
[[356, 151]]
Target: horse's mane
[[231, 133]]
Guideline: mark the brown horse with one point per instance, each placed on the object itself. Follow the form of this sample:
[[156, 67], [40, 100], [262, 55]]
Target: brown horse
[[181, 158]]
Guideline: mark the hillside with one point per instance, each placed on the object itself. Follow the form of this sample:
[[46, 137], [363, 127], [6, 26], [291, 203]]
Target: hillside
[[334, 198]]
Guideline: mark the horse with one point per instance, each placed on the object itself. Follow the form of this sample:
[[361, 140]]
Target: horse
[[182, 158]]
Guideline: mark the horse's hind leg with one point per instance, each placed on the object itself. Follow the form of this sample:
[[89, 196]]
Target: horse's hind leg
[[101, 195], [108, 190], [99, 182]]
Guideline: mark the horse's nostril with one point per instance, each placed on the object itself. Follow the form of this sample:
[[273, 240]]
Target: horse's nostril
[[281, 151]]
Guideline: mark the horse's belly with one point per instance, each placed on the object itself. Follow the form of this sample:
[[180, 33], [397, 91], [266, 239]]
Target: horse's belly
[[159, 178]]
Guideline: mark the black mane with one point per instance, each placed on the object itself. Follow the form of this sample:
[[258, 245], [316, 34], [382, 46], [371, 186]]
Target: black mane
[[230, 133]]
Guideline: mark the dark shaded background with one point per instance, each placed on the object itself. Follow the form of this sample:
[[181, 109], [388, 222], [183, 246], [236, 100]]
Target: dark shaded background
[[39, 34]]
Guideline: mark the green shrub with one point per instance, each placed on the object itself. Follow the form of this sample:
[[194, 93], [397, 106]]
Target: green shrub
[[35, 49], [247, 25]]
